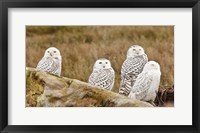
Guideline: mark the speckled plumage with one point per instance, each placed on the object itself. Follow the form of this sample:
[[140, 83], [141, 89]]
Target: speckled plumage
[[51, 61], [131, 68], [103, 74]]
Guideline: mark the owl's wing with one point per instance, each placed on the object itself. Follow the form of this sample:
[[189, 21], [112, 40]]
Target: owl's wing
[[142, 85], [92, 78], [129, 72], [134, 66], [110, 79], [102, 78], [47, 64]]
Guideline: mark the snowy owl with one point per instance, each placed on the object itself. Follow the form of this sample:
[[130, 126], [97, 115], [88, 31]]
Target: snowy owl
[[51, 61], [103, 74], [131, 68], [147, 83]]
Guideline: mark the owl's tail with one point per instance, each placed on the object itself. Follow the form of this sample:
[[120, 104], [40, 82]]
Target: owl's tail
[[125, 87]]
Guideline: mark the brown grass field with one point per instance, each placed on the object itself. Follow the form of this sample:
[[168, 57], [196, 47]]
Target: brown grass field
[[81, 46]]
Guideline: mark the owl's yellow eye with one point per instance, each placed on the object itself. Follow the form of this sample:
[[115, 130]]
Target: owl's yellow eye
[[106, 62], [133, 49], [48, 51], [54, 51], [139, 49], [100, 62]]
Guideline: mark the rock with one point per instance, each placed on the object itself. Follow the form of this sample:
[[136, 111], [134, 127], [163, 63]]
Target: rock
[[47, 90]]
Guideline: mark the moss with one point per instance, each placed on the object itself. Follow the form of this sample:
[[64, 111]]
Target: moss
[[34, 88]]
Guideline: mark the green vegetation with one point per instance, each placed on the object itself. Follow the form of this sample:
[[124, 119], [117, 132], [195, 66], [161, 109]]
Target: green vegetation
[[81, 46]]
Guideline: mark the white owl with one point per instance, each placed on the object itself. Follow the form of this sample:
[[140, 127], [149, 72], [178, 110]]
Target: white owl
[[147, 83], [103, 74], [51, 61], [131, 68]]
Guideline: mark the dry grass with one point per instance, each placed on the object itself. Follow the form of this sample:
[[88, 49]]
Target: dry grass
[[81, 46]]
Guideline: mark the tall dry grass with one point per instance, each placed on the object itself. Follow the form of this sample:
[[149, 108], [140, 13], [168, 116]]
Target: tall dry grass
[[81, 46]]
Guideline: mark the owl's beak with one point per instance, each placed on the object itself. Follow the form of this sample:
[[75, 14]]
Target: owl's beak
[[104, 66], [51, 54]]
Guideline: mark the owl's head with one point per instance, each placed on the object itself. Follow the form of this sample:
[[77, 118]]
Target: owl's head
[[151, 65], [52, 52], [102, 64], [134, 51]]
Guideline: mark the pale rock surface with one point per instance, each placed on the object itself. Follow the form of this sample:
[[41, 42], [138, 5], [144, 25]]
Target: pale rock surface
[[47, 90]]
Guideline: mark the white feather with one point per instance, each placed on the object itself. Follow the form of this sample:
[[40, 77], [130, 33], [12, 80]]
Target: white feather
[[103, 74], [147, 83], [51, 61], [131, 68]]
